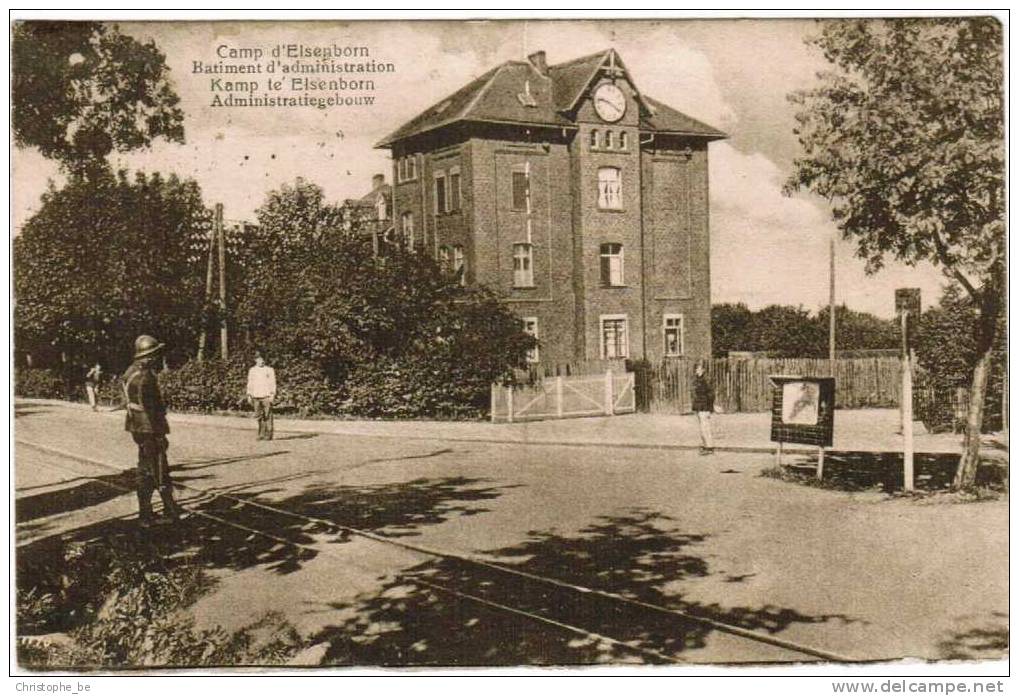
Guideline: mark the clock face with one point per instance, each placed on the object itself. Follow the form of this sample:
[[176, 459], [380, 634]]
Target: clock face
[[609, 102]]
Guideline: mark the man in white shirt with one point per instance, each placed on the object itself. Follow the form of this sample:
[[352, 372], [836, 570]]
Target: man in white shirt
[[261, 393]]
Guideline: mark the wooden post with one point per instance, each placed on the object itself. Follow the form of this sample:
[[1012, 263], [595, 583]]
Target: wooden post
[[820, 463], [509, 404], [223, 347], [495, 391], [778, 454], [907, 409], [208, 290], [559, 396], [608, 392], [831, 307]]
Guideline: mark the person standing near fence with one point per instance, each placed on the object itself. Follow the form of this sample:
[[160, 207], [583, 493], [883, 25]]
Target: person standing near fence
[[703, 406], [146, 421], [261, 393], [92, 379]]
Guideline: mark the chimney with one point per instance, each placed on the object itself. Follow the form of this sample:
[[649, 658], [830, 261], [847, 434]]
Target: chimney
[[537, 59], [378, 181]]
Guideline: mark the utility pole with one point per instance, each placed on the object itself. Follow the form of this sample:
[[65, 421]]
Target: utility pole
[[208, 291], [831, 305], [224, 350]]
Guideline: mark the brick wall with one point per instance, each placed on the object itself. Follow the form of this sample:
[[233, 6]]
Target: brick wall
[[664, 205]]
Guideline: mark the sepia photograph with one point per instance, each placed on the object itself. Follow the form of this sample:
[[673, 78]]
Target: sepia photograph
[[624, 345]]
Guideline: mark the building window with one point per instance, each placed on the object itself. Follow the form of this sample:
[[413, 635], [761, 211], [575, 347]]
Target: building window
[[454, 190], [610, 189], [406, 168], [444, 259], [612, 264], [594, 138], [531, 328], [407, 225], [608, 140], [459, 265], [381, 209], [521, 190], [523, 265], [672, 326], [623, 144], [441, 203], [615, 342]]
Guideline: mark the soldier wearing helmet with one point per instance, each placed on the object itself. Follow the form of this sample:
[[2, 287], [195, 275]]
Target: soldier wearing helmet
[[146, 421]]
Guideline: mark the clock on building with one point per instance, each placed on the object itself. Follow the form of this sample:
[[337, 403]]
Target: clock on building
[[609, 102]]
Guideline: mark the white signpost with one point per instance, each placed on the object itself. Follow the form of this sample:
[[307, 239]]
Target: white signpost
[[907, 304]]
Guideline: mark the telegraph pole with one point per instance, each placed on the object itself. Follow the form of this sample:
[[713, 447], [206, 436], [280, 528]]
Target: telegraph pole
[[208, 291], [224, 350], [831, 305]]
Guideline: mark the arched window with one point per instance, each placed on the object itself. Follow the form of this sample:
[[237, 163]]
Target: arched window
[[594, 138], [612, 264], [610, 188], [607, 144], [623, 144]]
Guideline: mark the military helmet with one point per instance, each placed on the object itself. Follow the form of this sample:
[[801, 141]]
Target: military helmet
[[146, 345]]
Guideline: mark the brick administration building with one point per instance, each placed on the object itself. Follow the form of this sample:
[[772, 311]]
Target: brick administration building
[[581, 201]]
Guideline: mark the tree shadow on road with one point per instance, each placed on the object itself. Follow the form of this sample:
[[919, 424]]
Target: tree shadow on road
[[858, 471], [230, 541], [988, 641], [638, 554], [87, 491]]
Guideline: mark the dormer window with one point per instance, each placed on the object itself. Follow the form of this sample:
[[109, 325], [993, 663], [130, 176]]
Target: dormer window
[[526, 98]]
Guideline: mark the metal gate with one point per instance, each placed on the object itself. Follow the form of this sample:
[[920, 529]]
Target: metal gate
[[565, 397]]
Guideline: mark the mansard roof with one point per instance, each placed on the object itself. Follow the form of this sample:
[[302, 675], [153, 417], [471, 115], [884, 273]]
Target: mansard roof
[[518, 93]]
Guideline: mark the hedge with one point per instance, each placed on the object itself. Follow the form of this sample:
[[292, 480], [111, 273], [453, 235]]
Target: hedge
[[382, 388], [37, 383], [217, 385]]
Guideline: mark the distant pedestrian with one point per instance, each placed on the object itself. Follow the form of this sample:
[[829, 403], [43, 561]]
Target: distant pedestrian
[[146, 421], [92, 379], [703, 406], [261, 393]]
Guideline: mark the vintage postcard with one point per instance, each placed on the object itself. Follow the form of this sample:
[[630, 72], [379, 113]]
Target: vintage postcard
[[502, 343]]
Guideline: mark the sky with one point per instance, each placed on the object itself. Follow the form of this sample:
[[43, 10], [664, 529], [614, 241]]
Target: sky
[[766, 248]]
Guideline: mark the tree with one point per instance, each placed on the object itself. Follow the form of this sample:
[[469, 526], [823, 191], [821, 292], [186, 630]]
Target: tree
[[791, 332], [107, 259], [82, 90], [856, 331], [946, 350], [394, 330], [730, 328], [905, 138]]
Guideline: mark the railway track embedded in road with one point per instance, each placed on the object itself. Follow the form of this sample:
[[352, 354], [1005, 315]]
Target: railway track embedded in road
[[499, 596]]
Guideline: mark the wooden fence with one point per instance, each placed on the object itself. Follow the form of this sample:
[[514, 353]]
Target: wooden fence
[[743, 385]]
